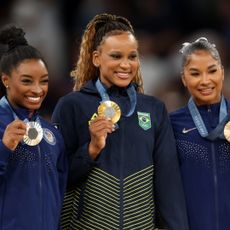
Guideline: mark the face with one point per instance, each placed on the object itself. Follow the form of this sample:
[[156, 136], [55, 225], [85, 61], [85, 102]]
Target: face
[[117, 59], [27, 85], [203, 76]]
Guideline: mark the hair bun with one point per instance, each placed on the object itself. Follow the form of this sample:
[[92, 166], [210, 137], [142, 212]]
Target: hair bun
[[13, 37]]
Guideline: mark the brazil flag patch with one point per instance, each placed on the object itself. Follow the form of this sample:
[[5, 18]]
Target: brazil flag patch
[[144, 120]]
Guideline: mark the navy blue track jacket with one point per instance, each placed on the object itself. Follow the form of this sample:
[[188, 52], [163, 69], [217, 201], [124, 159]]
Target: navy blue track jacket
[[32, 178], [205, 169], [136, 171]]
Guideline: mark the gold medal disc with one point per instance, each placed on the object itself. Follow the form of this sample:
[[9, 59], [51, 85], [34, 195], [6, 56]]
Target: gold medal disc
[[110, 110], [227, 131], [34, 133]]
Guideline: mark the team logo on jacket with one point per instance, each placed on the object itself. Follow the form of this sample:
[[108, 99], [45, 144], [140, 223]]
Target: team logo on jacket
[[49, 136], [144, 120]]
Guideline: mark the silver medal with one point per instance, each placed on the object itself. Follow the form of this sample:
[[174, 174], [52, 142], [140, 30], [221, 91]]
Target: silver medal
[[34, 133]]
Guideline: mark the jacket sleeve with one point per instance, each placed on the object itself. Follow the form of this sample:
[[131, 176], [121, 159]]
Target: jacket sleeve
[[4, 153], [169, 192], [4, 157], [65, 117], [62, 167]]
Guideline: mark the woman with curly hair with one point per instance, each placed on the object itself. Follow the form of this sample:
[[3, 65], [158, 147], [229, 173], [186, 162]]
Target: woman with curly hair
[[122, 154]]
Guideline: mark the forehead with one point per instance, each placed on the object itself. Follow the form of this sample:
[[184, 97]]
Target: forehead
[[31, 66], [122, 40], [201, 57]]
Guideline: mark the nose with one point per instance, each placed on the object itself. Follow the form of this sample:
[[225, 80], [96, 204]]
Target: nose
[[205, 79], [36, 88], [125, 63]]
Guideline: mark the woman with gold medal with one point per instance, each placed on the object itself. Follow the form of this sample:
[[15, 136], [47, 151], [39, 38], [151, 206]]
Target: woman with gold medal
[[33, 165], [122, 154], [202, 133]]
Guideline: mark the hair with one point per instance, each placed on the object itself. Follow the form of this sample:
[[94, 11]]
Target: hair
[[100, 26], [17, 49], [201, 43]]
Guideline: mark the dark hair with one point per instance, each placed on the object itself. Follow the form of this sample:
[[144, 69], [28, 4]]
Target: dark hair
[[18, 49], [101, 26], [201, 43]]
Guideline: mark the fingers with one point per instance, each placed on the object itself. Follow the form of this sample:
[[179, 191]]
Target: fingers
[[101, 126], [13, 134]]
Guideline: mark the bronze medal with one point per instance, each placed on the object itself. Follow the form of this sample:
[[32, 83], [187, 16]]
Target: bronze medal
[[110, 110], [227, 131], [34, 133]]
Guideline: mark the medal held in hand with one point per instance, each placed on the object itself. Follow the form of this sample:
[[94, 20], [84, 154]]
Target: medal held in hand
[[227, 131], [34, 133], [110, 110]]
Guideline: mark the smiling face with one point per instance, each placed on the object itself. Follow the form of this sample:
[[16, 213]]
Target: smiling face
[[27, 85], [203, 76], [117, 59]]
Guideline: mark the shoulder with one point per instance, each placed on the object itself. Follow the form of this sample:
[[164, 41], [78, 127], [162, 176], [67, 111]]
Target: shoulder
[[5, 116], [147, 100], [179, 114]]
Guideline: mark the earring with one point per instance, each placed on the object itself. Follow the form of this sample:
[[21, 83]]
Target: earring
[[7, 86]]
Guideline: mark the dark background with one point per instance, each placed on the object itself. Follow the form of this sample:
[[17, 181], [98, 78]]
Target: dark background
[[55, 28]]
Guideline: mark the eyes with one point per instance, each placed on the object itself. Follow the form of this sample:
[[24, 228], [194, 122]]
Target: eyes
[[29, 80], [198, 73], [117, 56]]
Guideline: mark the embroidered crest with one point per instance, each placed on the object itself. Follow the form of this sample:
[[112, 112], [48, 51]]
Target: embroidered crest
[[144, 120], [49, 136]]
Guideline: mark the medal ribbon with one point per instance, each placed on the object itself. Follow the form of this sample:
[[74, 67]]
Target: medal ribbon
[[197, 119], [130, 91], [5, 104]]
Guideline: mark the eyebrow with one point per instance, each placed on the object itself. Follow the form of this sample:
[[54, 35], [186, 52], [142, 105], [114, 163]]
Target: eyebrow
[[209, 67], [29, 76]]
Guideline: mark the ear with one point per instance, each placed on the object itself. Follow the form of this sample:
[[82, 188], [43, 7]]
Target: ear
[[222, 73], [183, 80], [95, 58], [5, 80]]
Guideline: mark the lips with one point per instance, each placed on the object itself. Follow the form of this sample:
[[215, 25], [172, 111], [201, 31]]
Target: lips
[[123, 75], [206, 91]]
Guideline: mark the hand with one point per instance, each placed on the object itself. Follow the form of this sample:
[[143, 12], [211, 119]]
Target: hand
[[13, 134], [99, 129]]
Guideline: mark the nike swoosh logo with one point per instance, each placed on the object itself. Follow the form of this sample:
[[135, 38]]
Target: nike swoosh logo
[[187, 130]]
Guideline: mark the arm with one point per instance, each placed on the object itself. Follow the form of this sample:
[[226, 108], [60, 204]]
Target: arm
[[11, 135], [67, 117], [168, 184], [62, 167]]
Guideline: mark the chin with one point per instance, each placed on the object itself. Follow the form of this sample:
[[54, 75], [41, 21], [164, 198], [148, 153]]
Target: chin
[[122, 84]]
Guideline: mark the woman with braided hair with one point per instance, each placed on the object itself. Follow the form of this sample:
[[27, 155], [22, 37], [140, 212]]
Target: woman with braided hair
[[122, 154], [202, 132], [33, 164]]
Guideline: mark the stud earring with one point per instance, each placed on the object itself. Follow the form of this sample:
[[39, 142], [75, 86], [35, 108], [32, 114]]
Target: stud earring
[[7, 86]]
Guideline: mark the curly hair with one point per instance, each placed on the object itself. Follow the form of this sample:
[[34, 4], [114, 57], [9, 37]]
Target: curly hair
[[100, 26]]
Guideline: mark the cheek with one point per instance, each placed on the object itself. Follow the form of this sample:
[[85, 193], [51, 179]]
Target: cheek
[[45, 89]]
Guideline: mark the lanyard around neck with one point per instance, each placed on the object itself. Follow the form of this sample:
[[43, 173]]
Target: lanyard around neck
[[218, 131], [130, 91], [5, 104]]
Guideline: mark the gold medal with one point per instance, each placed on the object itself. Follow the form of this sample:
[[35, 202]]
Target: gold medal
[[227, 131], [110, 110], [34, 133]]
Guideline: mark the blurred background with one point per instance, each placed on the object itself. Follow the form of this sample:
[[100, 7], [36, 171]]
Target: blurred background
[[55, 28]]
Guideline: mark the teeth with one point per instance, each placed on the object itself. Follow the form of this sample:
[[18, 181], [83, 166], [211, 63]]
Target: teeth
[[34, 99]]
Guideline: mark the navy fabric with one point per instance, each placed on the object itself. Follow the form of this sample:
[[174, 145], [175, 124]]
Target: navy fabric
[[32, 179], [128, 150], [205, 169]]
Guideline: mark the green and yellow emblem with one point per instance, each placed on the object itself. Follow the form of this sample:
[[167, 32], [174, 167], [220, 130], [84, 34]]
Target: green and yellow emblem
[[144, 120]]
